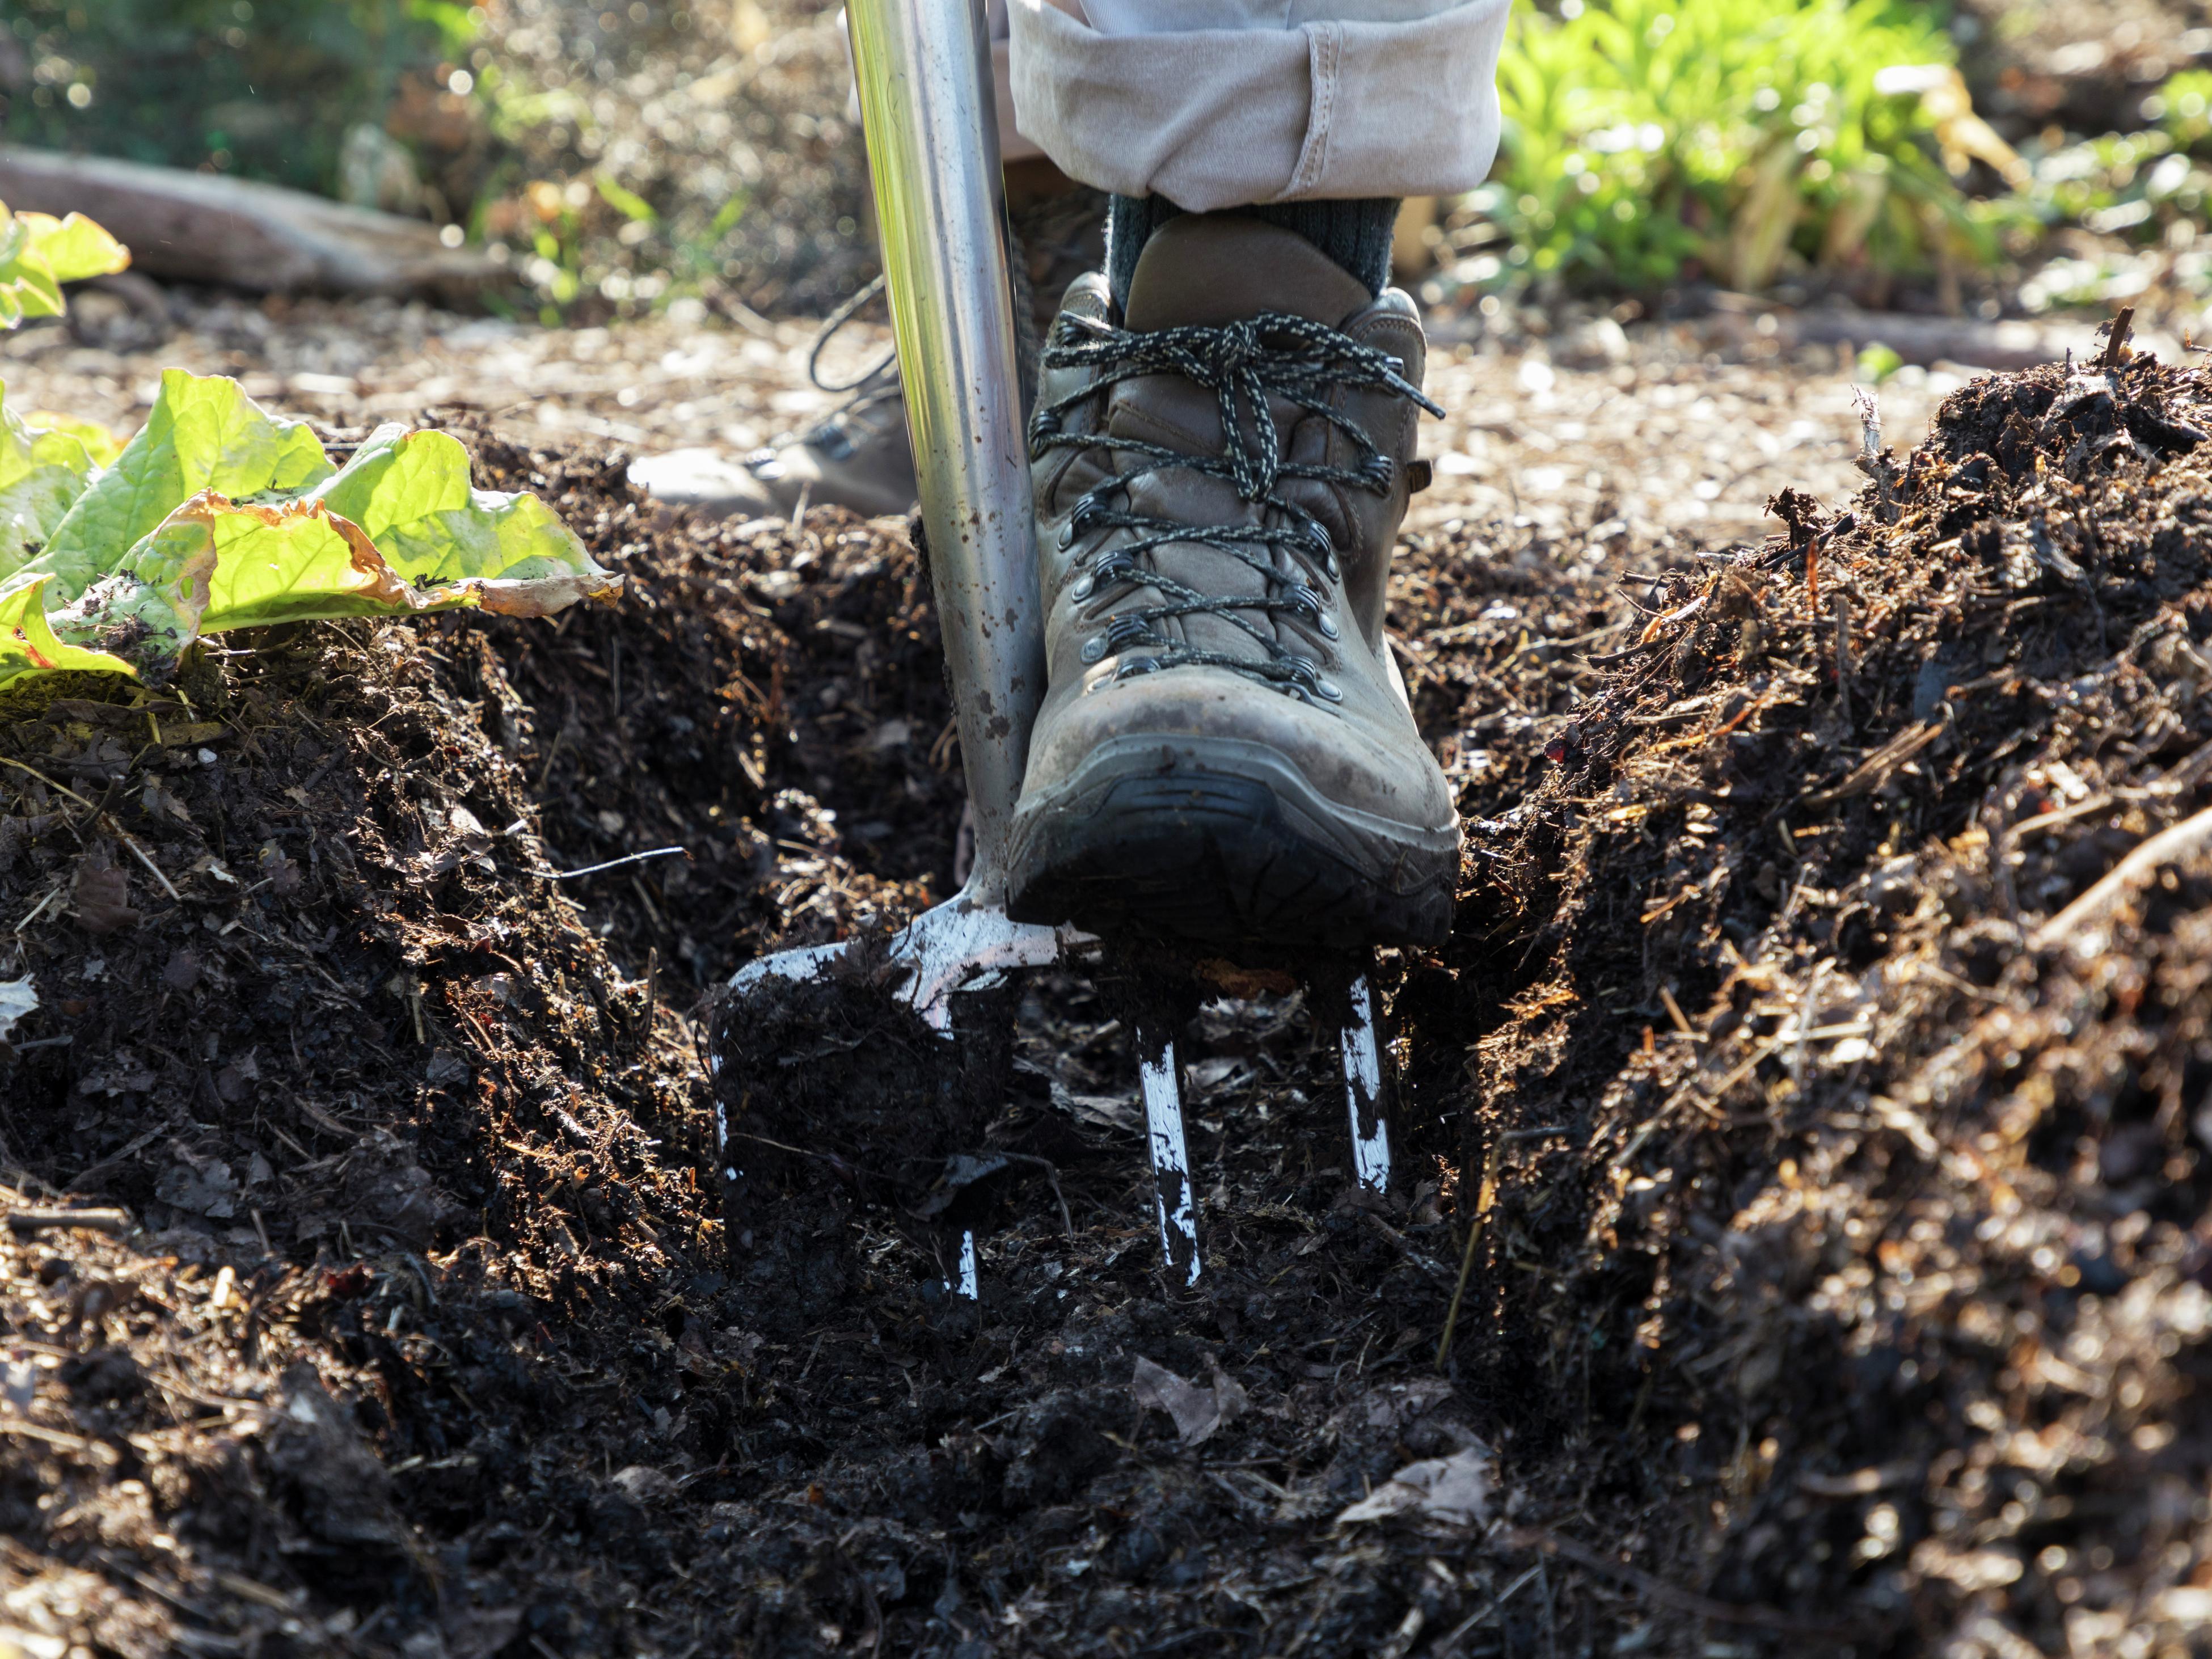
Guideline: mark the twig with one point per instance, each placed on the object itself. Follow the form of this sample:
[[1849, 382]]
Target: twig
[[2095, 907], [1052, 1174], [2116, 344], [97, 811], [1485, 1195], [59, 788], [113, 1222], [1876, 768], [1546, 1542], [1449, 1639], [152, 868], [57, 1437], [129, 1150], [611, 864], [1843, 656], [819, 1157], [1427, 1264]]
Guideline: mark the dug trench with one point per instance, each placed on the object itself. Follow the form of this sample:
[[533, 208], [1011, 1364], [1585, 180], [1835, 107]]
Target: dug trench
[[1814, 1089]]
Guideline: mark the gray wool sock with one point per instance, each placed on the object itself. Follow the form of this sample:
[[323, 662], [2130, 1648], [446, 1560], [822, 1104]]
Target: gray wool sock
[[1354, 233]]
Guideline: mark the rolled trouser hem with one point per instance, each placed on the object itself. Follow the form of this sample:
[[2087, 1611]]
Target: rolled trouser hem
[[1212, 119]]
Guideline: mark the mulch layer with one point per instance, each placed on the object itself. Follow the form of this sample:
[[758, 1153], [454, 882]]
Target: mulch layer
[[1812, 1101]]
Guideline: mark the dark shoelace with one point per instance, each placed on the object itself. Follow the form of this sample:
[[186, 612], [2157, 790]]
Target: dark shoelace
[[1052, 231], [1294, 358]]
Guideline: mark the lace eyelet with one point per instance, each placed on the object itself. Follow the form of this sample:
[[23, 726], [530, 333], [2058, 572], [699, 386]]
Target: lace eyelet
[[1136, 667], [1094, 648], [1046, 425], [1081, 588], [1328, 690], [1327, 623], [1379, 470]]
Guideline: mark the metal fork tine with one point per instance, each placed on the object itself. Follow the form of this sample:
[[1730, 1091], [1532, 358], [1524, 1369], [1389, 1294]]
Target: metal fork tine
[[1175, 1197], [1362, 1092], [969, 1286]]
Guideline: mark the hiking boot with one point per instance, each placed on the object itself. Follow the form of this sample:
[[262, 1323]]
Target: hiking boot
[[1225, 753], [859, 456]]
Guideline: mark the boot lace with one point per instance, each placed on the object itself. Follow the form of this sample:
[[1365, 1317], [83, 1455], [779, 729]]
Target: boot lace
[[876, 384], [1054, 232], [1294, 358]]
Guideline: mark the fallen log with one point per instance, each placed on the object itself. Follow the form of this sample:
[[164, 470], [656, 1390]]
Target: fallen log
[[2013, 343], [205, 227]]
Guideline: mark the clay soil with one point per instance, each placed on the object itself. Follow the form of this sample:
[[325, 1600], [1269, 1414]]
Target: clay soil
[[1824, 1146]]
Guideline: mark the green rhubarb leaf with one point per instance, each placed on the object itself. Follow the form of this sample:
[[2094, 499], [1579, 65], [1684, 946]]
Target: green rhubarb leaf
[[409, 493], [27, 644], [215, 565], [40, 252], [203, 434], [219, 516], [42, 472], [74, 248], [101, 444]]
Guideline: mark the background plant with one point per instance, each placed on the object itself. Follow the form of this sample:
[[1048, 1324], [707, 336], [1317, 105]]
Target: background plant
[[1648, 139], [266, 88], [116, 558]]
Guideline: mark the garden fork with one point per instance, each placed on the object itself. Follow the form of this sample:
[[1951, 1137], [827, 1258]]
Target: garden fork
[[924, 74]]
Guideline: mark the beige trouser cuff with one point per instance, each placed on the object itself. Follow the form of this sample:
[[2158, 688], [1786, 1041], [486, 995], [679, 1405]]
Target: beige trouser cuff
[[1217, 118]]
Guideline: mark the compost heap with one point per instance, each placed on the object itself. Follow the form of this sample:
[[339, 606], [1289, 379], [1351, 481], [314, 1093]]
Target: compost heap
[[1815, 1085]]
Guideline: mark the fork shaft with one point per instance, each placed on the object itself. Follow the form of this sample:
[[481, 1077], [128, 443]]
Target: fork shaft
[[923, 69]]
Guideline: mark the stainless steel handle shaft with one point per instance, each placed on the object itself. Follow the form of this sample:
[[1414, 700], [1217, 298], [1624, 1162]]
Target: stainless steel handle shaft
[[931, 129]]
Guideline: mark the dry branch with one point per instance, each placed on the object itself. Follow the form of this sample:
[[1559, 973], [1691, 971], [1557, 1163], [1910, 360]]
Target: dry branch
[[2095, 907]]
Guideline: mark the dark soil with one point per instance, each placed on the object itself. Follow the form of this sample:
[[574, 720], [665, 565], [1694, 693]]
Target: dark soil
[[1839, 1250]]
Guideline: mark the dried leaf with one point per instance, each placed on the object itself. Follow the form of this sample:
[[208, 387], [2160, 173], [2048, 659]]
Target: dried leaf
[[1454, 1491], [1198, 1412], [102, 893]]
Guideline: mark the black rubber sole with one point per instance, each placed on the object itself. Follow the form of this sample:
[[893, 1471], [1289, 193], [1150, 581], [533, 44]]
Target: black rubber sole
[[1217, 862]]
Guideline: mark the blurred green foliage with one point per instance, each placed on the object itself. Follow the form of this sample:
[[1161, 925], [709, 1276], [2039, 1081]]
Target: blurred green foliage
[[2140, 190], [1646, 140], [265, 88]]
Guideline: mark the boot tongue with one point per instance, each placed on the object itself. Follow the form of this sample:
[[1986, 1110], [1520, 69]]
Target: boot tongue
[[1206, 269]]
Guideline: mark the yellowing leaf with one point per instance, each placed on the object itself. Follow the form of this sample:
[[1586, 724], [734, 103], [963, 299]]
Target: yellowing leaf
[[27, 644]]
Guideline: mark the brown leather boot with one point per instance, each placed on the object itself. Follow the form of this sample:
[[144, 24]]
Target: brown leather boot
[[859, 456], [1225, 753]]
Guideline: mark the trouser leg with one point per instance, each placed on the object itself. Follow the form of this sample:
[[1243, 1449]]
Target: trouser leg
[[1218, 104]]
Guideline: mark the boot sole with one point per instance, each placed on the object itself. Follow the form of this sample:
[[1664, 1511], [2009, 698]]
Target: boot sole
[[1224, 844]]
